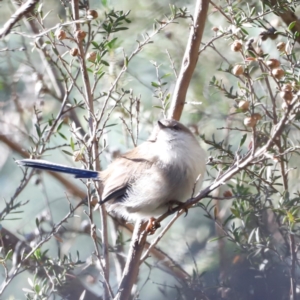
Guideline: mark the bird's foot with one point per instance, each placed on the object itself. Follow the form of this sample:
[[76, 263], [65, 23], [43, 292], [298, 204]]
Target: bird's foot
[[178, 205], [152, 226]]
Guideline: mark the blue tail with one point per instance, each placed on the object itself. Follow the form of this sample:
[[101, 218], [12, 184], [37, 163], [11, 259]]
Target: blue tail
[[45, 165]]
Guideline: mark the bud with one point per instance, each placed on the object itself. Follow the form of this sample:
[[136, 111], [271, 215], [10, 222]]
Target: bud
[[238, 70], [91, 14], [287, 87], [257, 116], [60, 34], [287, 96], [243, 105], [273, 63], [227, 194], [74, 51], [78, 156], [278, 73], [236, 46], [91, 56], [80, 35], [215, 29], [281, 46]]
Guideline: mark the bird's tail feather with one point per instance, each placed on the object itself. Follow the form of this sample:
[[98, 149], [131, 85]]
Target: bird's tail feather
[[45, 165]]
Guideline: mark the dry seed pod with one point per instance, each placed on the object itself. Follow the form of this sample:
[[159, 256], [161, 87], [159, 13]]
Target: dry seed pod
[[227, 194], [215, 29], [238, 70], [80, 35], [243, 105], [278, 73], [287, 96], [91, 14], [236, 46], [287, 87], [74, 51], [60, 34], [78, 156], [91, 56], [250, 122], [281, 46], [273, 63], [257, 116]]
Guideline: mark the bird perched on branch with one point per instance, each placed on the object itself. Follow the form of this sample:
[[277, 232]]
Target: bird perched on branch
[[146, 181]]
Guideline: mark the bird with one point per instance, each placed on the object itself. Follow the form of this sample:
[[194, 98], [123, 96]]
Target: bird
[[166, 169]]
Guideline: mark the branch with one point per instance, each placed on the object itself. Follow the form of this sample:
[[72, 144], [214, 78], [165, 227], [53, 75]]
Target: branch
[[189, 60], [131, 269], [17, 16]]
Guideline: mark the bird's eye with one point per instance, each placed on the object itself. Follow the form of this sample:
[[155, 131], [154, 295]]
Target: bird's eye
[[176, 127]]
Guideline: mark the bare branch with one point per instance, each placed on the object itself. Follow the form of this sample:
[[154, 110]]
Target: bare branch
[[17, 16], [189, 60]]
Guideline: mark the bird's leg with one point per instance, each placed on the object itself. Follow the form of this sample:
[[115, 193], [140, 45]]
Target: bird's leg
[[179, 204], [152, 226]]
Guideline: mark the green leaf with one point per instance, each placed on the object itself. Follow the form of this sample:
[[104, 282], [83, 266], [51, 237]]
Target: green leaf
[[72, 144], [154, 84], [110, 125], [62, 136], [37, 254], [292, 25], [95, 44], [243, 140], [126, 61], [46, 15], [55, 51], [8, 255], [60, 125], [67, 152], [120, 28], [166, 75], [104, 62], [37, 222], [38, 130], [215, 239]]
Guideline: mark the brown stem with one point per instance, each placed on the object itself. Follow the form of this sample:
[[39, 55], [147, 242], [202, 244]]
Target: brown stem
[[131, 270], [189, 60], [17, 16], [293, 267], [95, 150]]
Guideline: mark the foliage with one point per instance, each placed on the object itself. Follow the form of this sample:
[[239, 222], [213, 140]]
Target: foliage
[[88, 98]]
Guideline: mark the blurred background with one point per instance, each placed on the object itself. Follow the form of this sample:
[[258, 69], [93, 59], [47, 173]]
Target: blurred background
[[24, 91]]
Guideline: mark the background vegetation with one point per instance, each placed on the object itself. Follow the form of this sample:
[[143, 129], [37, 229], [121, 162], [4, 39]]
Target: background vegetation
[[67, 106]]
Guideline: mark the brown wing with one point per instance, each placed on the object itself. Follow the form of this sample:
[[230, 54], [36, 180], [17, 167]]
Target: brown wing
[[120, 174]]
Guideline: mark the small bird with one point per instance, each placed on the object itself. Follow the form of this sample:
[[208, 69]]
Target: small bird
[[147, 180]]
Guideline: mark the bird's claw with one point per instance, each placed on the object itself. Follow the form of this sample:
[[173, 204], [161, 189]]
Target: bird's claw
[[152, 226]]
